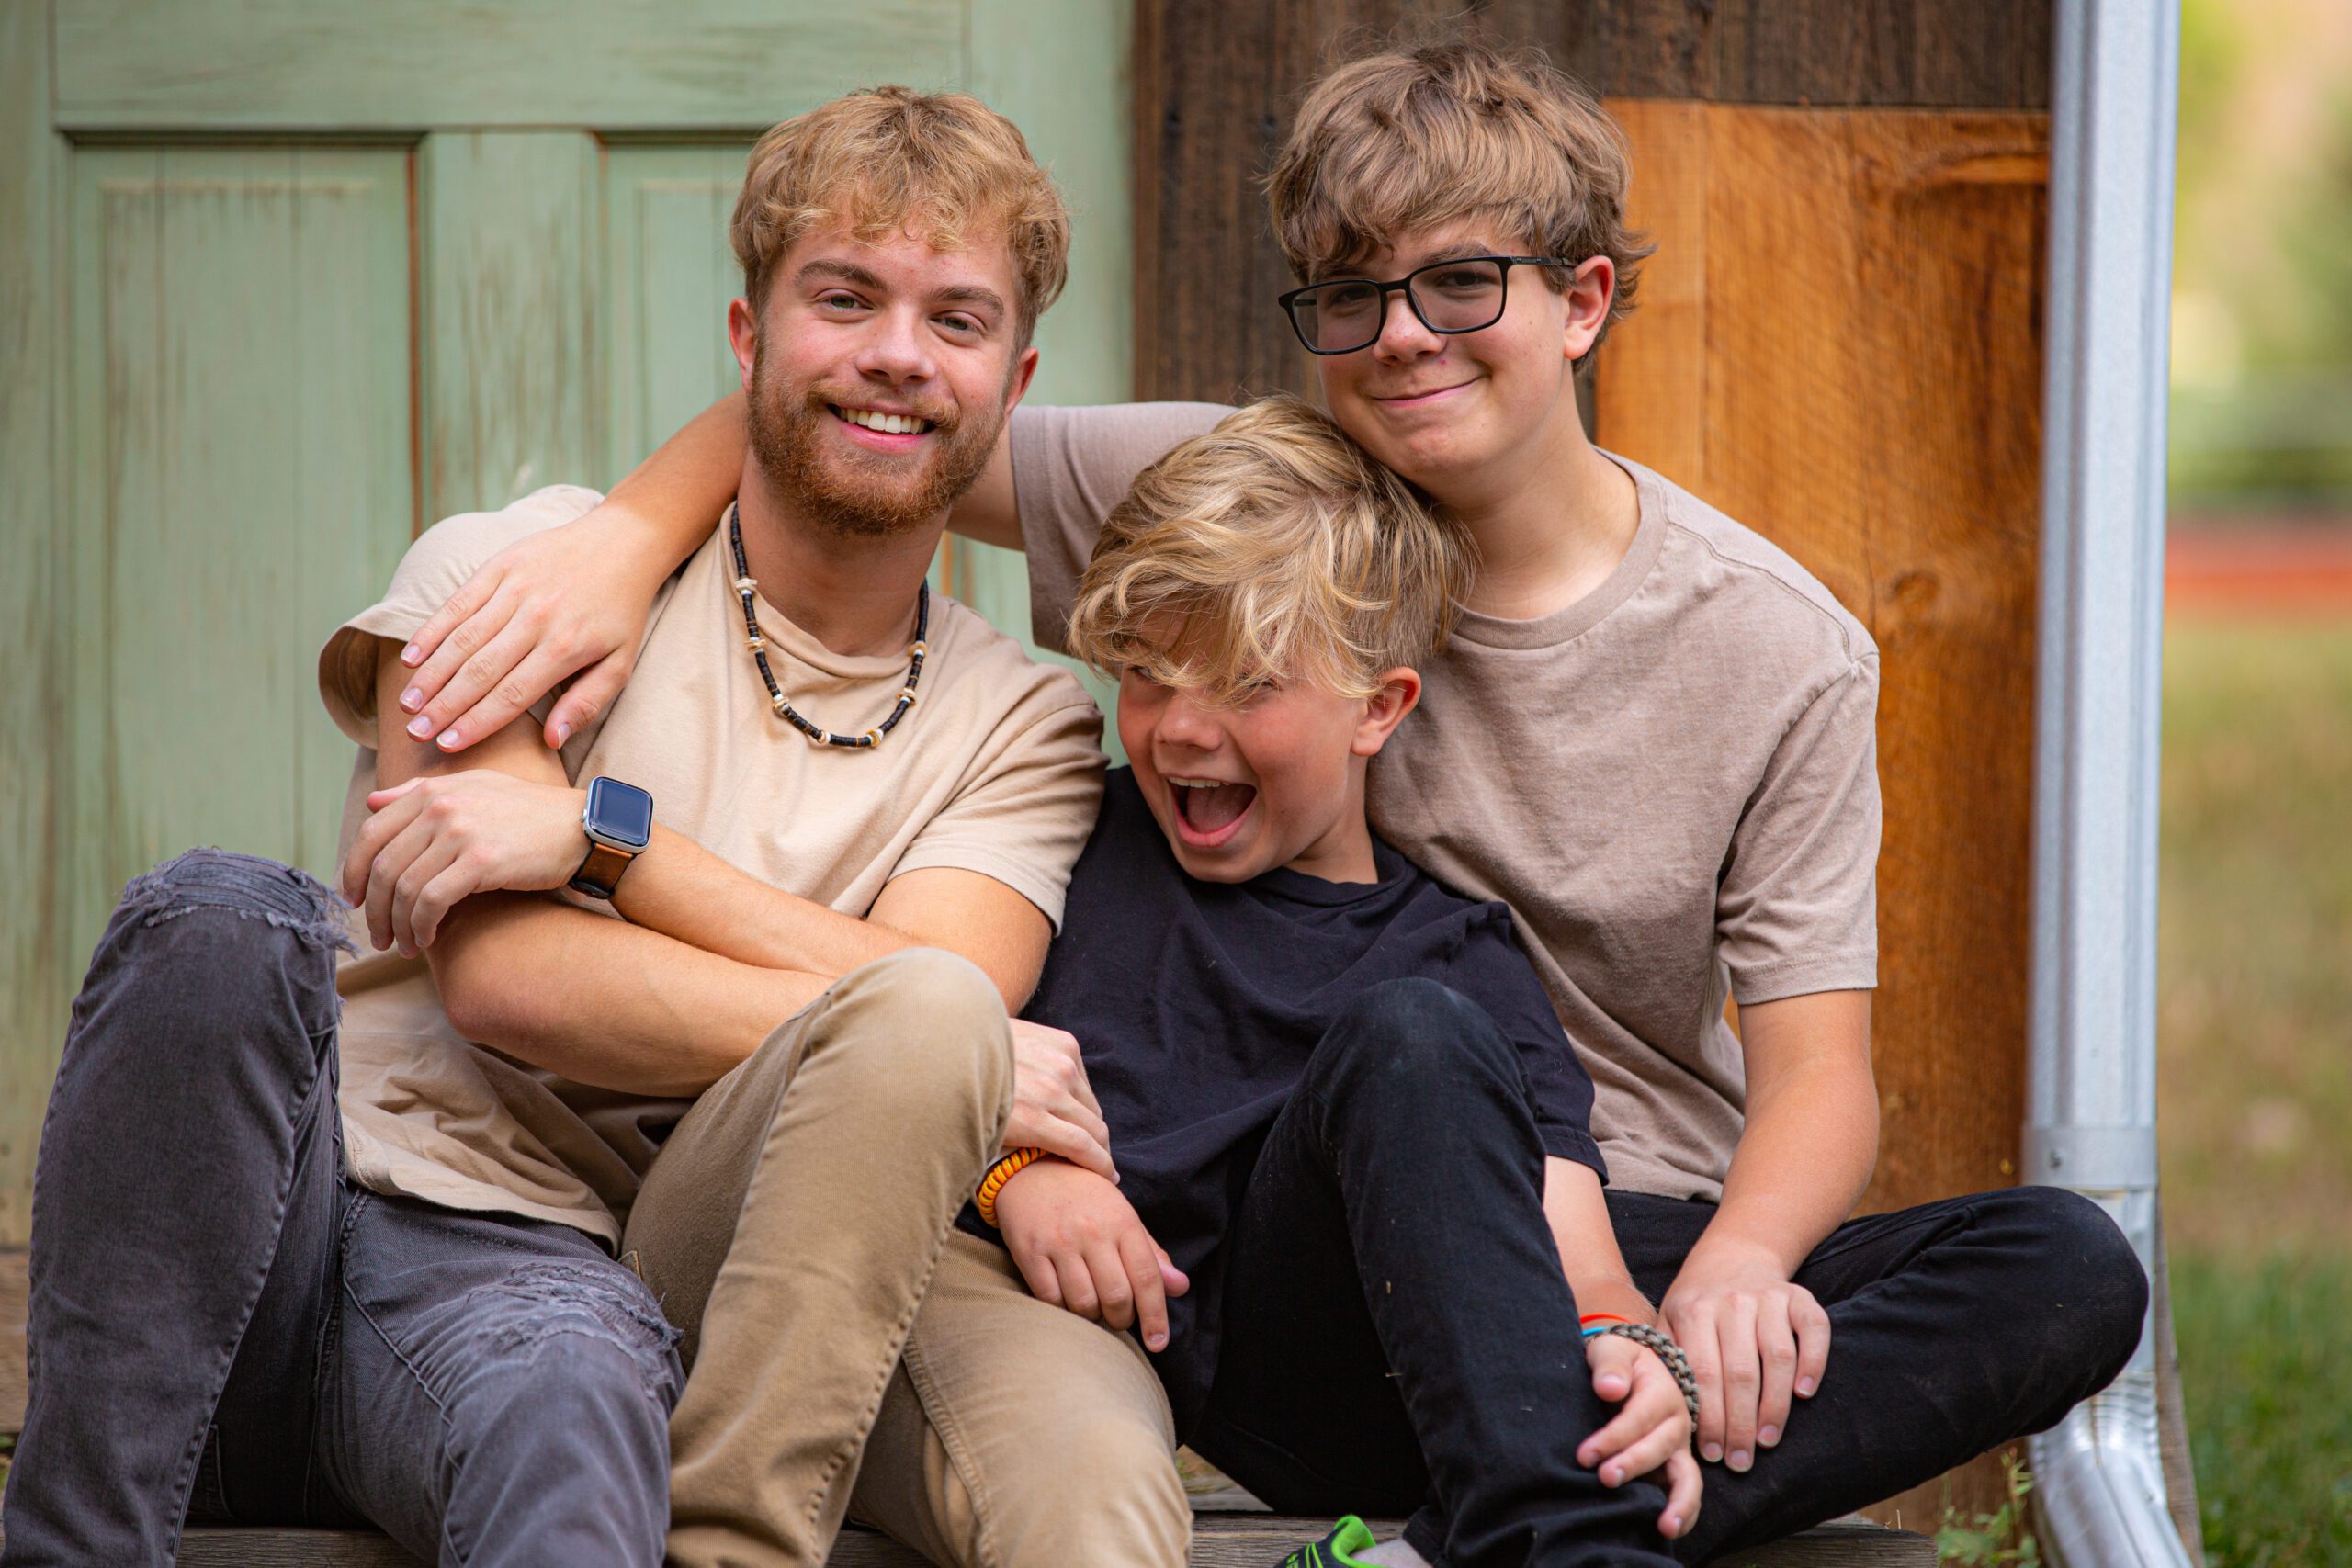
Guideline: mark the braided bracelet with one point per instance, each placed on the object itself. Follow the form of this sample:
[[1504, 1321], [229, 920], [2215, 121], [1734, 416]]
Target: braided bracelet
[[1666, 1350], [999, 1174]]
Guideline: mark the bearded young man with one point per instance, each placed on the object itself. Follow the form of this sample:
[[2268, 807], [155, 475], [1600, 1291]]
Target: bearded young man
[[448, 1309]]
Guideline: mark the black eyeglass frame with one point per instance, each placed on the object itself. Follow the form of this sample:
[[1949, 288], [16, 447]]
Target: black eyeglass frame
[[1404, 285]]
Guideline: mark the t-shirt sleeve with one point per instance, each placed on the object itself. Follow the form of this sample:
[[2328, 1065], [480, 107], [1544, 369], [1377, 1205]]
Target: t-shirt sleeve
[[1028, 802], [1797, 910], [1070, 466], [434, 568], [1491, 969]]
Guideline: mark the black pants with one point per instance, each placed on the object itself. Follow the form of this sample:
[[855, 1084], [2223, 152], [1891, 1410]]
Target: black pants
[[1397, 1336]]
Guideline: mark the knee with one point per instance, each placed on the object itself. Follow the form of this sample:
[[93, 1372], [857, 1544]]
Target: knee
[[1100, 1487], [2086, 1267], [1414, 1042], [927, 1030], [564, 1350]]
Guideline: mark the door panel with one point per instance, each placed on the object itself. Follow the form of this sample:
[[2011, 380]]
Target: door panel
[[243, 478], [672, 272]]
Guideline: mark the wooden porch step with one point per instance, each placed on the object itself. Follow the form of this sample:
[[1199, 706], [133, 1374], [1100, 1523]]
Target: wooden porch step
[[1219, 1540]]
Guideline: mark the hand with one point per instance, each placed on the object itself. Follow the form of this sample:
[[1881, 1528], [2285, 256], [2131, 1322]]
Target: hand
[[432, 841], [1054, 1107], [1653, 1427], [567, 600], [1082, 1245], [1754, 1337]]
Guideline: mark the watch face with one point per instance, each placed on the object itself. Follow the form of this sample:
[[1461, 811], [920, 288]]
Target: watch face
[[620, 812]]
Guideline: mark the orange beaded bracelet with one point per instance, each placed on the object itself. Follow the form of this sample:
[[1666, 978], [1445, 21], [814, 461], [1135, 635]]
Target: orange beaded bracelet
[[999, 1174]]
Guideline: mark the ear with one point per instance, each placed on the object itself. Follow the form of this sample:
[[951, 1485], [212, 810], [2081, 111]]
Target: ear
[[1016, 385], [1400, 694], [743, 336], [1590, 290]]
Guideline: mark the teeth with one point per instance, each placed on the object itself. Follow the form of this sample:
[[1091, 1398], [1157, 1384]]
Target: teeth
[[1200, 783], [889, 423]]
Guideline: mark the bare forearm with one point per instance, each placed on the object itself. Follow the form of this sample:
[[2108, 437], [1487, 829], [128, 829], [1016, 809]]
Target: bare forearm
[[1589, 1258], [603, 1002], [1810, 1144], [679, 491], [683, 891]]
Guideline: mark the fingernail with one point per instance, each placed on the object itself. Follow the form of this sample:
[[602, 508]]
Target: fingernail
[[448, 741], [1712, 1453], [1158, 1341], [1768, 1437], [1671, 1523], [420, 727], [1741, 1459], [1611, 1474], [412, 699], [412, 654], [562, 733], [1805, 1386]]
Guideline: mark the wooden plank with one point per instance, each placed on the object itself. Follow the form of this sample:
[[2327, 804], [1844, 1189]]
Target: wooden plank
[[612, 65], [1226, 1541], [34, 954], [1872, 404], [241, 438], [513, 370]]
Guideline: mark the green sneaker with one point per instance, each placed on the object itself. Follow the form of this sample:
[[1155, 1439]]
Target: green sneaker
[[1337, 1550]]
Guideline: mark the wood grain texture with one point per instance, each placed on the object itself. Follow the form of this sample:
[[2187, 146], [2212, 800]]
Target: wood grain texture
[[1216, 82], [364, 65], [1868, 334], [34, 953], [241, 480], [513, 375]]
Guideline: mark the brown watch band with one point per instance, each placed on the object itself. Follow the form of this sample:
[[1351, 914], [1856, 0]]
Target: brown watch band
[[601, 871]]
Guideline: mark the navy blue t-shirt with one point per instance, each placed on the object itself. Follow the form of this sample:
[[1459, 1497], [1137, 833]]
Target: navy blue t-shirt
[[1197, 1003]]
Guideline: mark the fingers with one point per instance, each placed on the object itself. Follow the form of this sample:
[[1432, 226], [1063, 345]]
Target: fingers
[[379, 829], [1172, 1280], [1811, 1325], [1142, 1260], [1776, 1348], [1682, 1492], [1743, 1381], [1695, 1331], [1043, 1280], [1112, 1288], [383, 877], [1030, 1129], [460, 642], [590, 696], [477, 590], [431, 862], [1639, 1436], [1081, 1291], [485, 691]]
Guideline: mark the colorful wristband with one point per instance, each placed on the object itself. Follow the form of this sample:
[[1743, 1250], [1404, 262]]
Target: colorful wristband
[[1603, 1319], [999, 1174]]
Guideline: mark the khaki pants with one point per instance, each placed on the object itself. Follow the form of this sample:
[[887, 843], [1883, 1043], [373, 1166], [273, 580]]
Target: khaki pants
[[1019, 1435], [791, 1226]]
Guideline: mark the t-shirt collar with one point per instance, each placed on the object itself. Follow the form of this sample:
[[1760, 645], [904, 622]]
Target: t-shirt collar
[[1565, 625]]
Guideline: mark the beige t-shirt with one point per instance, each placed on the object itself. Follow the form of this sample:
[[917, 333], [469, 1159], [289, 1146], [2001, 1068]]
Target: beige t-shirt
[[998, 769], [1673, 783]]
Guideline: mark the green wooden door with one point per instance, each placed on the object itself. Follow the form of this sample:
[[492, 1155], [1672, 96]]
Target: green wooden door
[[301, 276]]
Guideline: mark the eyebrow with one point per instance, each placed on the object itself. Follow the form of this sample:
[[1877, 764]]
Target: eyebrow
[[971, 294]]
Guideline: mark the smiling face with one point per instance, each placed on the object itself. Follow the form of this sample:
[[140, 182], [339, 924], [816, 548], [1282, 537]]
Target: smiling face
[[1449, 412], [879, 373], [1272, 780]]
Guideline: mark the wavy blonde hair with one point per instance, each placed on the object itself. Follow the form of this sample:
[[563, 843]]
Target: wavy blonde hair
[[1405, 141], [943, 165], [1272, 548]]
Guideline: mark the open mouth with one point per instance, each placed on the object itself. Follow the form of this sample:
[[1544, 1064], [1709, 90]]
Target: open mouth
[[1209, 811], [882, 423]]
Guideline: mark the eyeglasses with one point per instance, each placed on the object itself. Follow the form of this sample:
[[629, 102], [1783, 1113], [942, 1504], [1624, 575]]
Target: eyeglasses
[[1464, 295]]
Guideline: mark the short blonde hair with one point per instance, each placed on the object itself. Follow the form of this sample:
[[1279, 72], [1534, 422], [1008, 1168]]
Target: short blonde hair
[[943, 165], [1400, 141], [1276, 549]]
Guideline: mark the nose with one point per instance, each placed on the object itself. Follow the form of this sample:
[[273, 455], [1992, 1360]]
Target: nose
[[1185, 722], [1402, 336], [896, 348]]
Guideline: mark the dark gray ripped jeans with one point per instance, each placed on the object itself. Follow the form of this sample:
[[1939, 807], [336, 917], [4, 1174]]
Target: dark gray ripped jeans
[[224, 1328]]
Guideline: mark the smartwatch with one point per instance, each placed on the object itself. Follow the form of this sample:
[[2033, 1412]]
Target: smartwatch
[[619, 823]]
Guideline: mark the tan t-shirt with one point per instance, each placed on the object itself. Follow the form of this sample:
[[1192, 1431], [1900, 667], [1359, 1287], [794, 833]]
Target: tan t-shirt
[[1673, 783], [998, 769]]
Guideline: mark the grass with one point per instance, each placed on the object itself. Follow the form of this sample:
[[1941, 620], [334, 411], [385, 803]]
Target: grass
[[2254, 1079]]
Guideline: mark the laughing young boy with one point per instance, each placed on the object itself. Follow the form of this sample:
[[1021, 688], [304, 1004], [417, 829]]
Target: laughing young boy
[[1338, 1097]]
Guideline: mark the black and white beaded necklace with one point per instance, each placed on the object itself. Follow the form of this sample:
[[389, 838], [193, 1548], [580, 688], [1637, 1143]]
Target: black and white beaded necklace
[[745, 586]]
